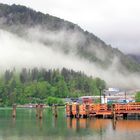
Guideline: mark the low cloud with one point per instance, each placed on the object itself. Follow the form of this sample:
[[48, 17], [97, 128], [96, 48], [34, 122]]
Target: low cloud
[[43, 49]]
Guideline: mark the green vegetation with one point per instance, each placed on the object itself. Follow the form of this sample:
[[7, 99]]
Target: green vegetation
[[53, 100], [137, 97], [45, 86]]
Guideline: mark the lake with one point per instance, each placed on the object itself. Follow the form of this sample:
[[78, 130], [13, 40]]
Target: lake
[[27, 127]]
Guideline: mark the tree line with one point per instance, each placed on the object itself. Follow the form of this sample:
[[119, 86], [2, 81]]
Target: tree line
[[37, 85], [137, 97]]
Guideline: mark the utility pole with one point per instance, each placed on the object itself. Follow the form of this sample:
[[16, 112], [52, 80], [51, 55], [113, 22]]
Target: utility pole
[[125, 96], [100, 93]]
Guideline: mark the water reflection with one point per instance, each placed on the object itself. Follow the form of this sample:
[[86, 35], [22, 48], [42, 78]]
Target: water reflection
[[93, 124], [128, 125], [114, 123], [27, 126], [98, 124]]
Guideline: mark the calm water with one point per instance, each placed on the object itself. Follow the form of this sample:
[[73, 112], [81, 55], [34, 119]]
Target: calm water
[[27, 127]]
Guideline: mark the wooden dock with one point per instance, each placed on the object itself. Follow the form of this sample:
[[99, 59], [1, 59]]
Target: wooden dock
[[102, 110]]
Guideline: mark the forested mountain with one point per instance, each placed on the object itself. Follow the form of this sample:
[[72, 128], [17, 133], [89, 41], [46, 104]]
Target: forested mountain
[[36, 85], [70, 38], [135, 56]]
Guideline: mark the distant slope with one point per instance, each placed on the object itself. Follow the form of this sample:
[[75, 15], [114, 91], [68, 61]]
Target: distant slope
[[16, 18], [135, 57]]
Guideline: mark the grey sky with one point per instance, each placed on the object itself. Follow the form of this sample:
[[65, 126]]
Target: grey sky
[[115, 21]]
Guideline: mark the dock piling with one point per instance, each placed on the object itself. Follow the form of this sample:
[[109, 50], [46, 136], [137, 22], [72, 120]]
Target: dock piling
[[87, 110], [113, 112], [37, 110], [77, 111], [55, 110], [14, 111], [40, 111]]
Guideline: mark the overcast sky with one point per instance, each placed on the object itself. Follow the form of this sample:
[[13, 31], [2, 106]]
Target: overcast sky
[[117, 22]]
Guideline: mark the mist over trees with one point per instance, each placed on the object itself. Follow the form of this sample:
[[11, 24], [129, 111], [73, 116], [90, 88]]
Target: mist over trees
[[36, 85], [30, 38]]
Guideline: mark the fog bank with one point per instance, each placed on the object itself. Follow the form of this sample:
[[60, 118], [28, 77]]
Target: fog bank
[[33, 51]]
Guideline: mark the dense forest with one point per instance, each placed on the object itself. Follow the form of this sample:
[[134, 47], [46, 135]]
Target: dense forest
[[36, 85]]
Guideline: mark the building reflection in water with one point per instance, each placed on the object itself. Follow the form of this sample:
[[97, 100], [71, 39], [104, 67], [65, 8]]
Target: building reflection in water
[[128, 125], [95, 124], [101, 125]]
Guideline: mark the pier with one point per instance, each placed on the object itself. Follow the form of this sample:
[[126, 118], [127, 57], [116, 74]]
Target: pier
[[113, 111]]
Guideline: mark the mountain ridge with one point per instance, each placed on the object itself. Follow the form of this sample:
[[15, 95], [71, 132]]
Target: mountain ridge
[[16, 18], [135, 56]]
